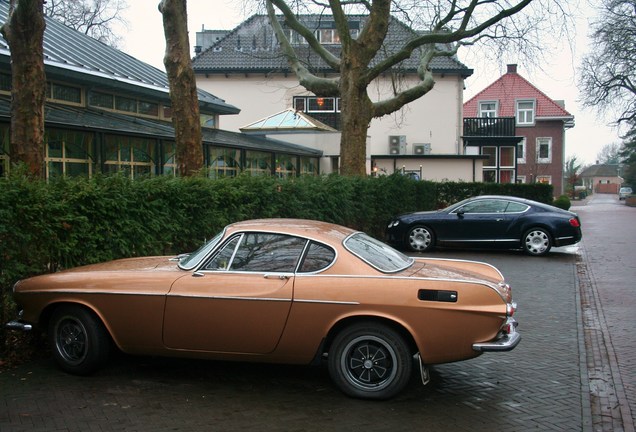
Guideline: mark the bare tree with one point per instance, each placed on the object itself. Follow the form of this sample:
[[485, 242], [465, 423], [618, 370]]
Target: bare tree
[[183, 89], [94, 18], [24, 31], [608, 73], [609, 154], [444, 27]]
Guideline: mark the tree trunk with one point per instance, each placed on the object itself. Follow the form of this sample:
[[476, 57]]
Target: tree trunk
[[24, 32], [183, 89], [356, 115]]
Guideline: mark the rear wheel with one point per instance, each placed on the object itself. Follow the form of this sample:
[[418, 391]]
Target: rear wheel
[[537, 242], [370, 361], [420, 239], [78, 339]]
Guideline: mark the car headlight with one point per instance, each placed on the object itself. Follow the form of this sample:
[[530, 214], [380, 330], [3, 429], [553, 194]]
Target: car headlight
[[393, 223]]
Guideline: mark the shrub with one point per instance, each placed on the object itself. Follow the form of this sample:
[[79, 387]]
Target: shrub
[[562, 202]]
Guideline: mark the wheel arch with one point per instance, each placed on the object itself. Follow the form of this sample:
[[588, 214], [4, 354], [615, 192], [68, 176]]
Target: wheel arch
[[47, 313], [372, 319]]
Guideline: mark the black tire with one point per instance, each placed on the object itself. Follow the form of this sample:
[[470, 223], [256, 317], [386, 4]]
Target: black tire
[[420, 239], [79, 341], [536, 242], [370, 361]]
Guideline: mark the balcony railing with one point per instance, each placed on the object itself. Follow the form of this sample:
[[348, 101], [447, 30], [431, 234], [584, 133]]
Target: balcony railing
[[489, 126]]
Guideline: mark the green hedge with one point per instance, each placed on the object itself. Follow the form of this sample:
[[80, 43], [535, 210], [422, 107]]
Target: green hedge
[[48, 226]]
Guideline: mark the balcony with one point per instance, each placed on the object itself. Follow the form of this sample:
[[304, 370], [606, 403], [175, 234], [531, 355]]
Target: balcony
[[489, 127]]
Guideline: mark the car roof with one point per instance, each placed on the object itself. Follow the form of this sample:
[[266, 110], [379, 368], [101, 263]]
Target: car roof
[[316, 230]]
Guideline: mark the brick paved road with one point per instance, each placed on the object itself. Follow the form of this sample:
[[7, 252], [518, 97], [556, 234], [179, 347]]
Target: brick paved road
[[536, 387]]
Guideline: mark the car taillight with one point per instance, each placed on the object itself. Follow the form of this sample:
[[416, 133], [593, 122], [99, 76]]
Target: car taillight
[[511, 308], [575, 222]]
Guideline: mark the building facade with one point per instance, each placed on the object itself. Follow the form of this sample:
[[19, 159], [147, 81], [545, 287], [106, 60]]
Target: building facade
[[108, 112], [520, 129], [246, 66]]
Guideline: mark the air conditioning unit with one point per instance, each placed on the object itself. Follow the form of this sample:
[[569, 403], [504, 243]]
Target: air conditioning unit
[[422, 149], [397, 144]]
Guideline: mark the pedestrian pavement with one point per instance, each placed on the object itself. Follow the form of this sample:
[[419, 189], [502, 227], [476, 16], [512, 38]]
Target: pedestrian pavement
[[607, 271]]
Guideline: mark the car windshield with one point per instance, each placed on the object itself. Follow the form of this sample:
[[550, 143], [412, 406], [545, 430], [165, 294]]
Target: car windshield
[[189, 261], [379, 255]]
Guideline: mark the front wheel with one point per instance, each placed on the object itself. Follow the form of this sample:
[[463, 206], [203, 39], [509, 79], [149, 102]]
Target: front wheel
[[370, 361], [420, 239], [537, 242], [79, 342]]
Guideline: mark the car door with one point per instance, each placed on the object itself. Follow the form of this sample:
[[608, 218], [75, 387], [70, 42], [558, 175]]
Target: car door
[[239, 300], [477, 223]]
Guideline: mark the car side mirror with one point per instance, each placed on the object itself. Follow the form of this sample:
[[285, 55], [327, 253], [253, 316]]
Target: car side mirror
[[460, 214]]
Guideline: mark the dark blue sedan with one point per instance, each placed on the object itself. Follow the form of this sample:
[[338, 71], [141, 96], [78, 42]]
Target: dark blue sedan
[[488, 222]]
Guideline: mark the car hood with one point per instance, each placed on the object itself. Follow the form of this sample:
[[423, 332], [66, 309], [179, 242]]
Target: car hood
[[148, 275], [129, 264]]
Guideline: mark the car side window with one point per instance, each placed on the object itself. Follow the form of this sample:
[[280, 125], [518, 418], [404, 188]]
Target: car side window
[[222, 259], [514, 207], [265, 252], [483, 206], [318, 257]]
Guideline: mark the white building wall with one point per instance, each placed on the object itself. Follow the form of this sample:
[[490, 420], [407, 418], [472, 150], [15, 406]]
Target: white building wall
[[434, 119]]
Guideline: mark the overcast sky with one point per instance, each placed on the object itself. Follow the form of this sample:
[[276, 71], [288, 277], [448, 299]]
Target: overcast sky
[[144, 40]]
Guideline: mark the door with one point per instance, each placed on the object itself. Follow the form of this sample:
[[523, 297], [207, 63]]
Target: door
[[238, 301], [477, 223]]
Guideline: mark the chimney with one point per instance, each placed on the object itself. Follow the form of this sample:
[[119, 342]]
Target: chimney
[[512, 68]]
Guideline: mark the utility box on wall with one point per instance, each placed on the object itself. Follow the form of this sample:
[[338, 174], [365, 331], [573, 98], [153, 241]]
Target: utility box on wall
[[422, 149], [397, 144]]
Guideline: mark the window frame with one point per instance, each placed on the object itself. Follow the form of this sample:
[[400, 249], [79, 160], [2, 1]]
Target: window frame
[[493, 111], [541, 141], [521, 115]]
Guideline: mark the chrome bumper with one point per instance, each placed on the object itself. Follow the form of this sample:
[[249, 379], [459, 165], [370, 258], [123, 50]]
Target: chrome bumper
[[506, 341]]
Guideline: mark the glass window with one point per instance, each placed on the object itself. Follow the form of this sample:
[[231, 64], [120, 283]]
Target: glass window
[[308, 165], [126, 104], [506, 176], [221, 260], [101, 100], [264, 252], [490, 176], [483, 206], [321, 104], [377, 254], [5, 82], [328, 36], [169, 160], [544, 150], [258, 163], [544, 179], [318, 257], [521, 151], [299, 104], [66, 93], [149, 108], [223, 162], [525, 112], [488, 109], [68, 153], [133, 157], [491, 152], [286, 165], [514, 207], [506, 157]]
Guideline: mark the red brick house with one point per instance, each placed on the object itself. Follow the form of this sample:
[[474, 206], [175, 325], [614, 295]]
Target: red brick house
[[521, 130]]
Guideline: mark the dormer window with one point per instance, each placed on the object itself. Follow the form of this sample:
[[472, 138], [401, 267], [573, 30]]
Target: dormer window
[[488, 109], [525, 112]]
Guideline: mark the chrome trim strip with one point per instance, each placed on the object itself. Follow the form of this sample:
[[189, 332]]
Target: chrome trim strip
[[351, 303], [18, 325]]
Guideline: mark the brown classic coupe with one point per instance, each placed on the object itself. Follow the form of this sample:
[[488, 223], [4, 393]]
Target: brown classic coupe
[[283, 291]]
